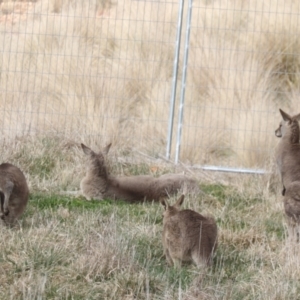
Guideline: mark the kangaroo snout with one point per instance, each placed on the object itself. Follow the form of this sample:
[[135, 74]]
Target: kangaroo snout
[[278, 133]]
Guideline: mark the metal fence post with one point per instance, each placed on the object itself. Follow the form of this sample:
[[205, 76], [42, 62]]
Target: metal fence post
[[183, 80], [174, 80]]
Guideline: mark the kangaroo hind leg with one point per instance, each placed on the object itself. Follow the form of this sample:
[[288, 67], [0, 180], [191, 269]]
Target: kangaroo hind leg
[[7, 193]]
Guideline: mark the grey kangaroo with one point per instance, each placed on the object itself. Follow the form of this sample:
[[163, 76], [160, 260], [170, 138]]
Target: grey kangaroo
[[99, 183], [187, 235], [288, 162], [14, 193]]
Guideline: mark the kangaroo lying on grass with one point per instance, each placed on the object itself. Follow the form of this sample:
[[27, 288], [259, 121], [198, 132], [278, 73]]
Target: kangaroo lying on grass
[[99, 184], [13, 193], [288, 162], [187, 235]]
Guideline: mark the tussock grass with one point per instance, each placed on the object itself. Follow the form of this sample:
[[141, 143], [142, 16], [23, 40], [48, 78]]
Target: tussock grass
[[72, 249], [102, 70], [98, 72]]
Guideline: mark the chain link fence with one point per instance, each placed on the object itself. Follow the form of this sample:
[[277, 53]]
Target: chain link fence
[[198, 82]]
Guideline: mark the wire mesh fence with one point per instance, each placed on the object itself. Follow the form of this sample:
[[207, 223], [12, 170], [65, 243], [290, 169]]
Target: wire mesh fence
[[102, 71]]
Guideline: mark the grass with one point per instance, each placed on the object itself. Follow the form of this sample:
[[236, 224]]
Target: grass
[[99, 71], [70, 248]]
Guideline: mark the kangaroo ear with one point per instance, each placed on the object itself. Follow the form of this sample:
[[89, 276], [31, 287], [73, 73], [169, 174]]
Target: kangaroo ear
[[86, 149], [297, 117], [285, 116], [164, 203], [179, 201], [106, 148]]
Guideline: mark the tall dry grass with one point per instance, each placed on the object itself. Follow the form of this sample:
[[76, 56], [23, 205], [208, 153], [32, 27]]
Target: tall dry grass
[[100, 71], [73, 249], [97, 71]]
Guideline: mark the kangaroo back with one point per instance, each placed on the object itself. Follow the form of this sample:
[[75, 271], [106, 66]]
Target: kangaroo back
[[131, 188], [14, 193], [98, 183], [188, 235]]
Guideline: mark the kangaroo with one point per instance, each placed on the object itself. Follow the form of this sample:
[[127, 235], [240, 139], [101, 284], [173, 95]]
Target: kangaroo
[[288, 162], [14, 193], [288, 149], [187, 235], [99, 184]]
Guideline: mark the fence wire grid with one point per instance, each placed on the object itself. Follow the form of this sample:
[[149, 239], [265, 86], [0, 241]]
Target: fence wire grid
[[108, 71]]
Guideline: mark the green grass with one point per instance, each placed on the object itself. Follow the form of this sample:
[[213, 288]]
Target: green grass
[[41, 201], [70, 248]]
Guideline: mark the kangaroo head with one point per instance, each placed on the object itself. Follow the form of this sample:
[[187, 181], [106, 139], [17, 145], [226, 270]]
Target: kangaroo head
[[171, 210], [96, 162], [288, 126]]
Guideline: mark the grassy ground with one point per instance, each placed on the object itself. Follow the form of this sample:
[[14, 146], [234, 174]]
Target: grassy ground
[[69, 248], [97, 72]]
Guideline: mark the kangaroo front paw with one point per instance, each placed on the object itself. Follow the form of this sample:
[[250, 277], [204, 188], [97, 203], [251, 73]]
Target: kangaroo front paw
[[283, 191]]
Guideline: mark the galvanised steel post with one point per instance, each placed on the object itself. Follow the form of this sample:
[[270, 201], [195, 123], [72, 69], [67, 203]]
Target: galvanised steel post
[[174, 80], [183, 80]]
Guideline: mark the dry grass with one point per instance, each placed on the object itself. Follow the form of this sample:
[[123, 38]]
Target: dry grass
[[100, 70], [67, 248], [73, 249], [97, 71]]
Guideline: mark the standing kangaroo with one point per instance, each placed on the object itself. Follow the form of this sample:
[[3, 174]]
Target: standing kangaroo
[[288, 162], [99, 184], [13, 193], [187, 235]]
